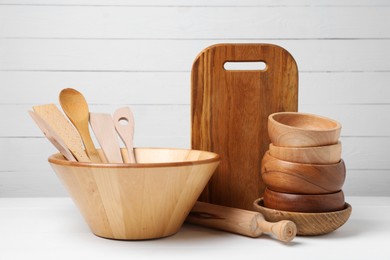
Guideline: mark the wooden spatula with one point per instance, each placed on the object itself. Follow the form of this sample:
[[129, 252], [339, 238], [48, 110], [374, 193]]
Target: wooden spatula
[[52, 136], [124, 124], [58, 122], [104, 129]]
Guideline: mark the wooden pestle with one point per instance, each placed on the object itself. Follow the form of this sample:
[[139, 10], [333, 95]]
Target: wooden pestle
[[239, 221]]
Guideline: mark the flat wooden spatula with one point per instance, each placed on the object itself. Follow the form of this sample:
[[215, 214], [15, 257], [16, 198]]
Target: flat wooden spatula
[[124, 124], [52, 136], [103, 126], [58, 122]]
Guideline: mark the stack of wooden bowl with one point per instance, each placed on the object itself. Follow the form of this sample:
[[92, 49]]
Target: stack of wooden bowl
[[303, 169]]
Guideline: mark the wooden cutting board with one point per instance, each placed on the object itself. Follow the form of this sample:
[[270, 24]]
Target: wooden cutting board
[[229, 112]]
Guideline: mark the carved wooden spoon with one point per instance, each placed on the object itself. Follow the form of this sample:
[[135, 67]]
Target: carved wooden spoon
[[76, 108]]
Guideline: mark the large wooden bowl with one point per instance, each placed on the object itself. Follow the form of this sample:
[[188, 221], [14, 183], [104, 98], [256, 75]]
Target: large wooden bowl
[[294, 129], [302, 178], [304, 202], [150, 199], [308, 224], [325, 154]]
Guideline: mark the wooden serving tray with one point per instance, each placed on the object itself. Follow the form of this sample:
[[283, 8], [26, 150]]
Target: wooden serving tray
[[229, 112]]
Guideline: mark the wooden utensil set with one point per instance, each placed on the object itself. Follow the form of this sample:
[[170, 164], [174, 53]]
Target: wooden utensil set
[[241, 116], [75, 143], [73, 139]]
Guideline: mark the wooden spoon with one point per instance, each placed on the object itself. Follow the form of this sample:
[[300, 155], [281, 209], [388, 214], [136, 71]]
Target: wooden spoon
[[58, 122], [76, 108], [124, 124], [104, 129], [52, 136]]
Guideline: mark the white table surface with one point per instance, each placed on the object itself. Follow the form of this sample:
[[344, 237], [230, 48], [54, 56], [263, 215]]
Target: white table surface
[[52, 228]]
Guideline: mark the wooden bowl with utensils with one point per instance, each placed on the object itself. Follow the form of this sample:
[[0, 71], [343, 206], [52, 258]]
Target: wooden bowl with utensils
[[308, 224], [302, 178], [310, 203], [145, 200], [326, 154], [294, 129]]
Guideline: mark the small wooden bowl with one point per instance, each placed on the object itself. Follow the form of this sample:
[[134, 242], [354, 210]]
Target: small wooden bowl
[[308, 224], [293, 129], [302, 178], [304, 202], [326, 154], [149, 199]]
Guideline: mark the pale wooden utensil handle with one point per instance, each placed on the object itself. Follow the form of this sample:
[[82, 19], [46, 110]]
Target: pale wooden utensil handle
[[125, 131], [88, 143], [239, 221], [68, 133], [52, 136], [103, 126]]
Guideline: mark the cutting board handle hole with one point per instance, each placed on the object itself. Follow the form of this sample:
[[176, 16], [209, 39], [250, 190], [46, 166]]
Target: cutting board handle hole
[[245, 65], [123, 121]]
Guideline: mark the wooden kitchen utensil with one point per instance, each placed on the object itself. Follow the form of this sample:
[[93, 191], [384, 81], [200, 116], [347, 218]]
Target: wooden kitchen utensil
[[230, 109], [52, 136], [76, 108], [124, 124], [243, 222], [104, 129], [65, 130]]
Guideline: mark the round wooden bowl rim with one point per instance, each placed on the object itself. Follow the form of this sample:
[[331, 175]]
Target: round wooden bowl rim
[[58, 159], [338, 125], [306, 164], [303, 148], [257, 202]]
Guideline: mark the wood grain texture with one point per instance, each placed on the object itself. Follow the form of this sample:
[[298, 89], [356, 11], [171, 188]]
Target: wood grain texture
[[243, 222], [229, 111], [137, 201], [46, 46], [308, 224], [327, 154], [76, 108], [318, 91], [52, 136], [104, 129], [308, 203], [297, 129], [359, 121], [125, 131], [58, 122], [290, 177]]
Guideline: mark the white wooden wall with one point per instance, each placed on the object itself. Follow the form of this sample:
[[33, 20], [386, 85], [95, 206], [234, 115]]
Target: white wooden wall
[[139, 53]]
